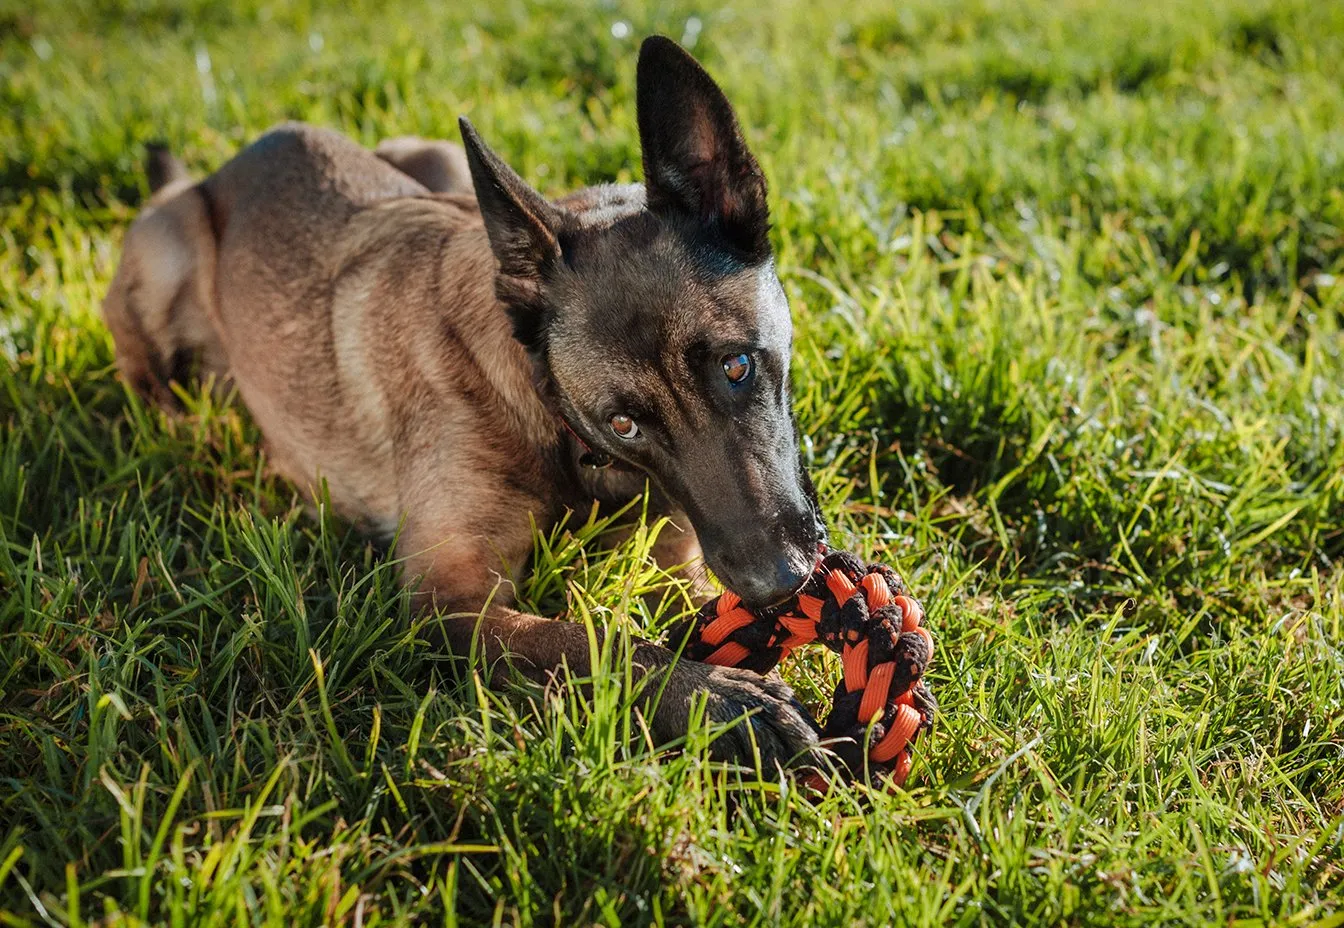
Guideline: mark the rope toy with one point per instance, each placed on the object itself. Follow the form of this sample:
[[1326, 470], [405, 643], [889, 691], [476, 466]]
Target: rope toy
[[864, 614]]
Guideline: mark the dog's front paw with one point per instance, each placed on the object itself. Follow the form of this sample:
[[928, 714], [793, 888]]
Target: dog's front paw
[[764, 719]]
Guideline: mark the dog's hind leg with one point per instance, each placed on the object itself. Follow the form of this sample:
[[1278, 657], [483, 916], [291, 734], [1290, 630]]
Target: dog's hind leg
[[159, 305], [440, 166]]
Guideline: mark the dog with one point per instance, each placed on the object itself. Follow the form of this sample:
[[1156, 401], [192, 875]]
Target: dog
[[459, 358]]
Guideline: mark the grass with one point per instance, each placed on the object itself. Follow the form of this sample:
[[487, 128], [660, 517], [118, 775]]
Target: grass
[[1067, 281]]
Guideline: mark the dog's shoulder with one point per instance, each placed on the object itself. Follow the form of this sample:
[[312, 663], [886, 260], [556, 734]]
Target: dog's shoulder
[[415, 229], [298, 152], [305, 176]]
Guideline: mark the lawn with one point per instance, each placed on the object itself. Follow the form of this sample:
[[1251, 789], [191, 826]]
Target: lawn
[[1068, 281]]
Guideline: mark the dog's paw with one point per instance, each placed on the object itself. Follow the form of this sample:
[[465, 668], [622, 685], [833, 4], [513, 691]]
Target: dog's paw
[[762, 716]]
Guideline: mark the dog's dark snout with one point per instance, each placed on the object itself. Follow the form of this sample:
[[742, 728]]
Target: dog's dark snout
[[773, 581], [757, 518], [790, 574], [769, 565]]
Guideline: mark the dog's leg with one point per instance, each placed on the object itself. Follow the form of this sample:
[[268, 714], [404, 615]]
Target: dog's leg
[[440, 166], [457, 578], [158, 307]]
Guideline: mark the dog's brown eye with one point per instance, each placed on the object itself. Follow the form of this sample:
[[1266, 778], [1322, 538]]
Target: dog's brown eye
[[737, 367], [624, 427]]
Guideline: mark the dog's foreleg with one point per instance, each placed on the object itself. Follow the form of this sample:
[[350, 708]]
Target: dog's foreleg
[[478, 618]]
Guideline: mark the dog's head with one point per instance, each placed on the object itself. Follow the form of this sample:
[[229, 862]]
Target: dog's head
[[660, 325]]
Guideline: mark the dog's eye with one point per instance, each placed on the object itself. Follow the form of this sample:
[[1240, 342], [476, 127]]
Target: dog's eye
[[624, 427], [737, 367]]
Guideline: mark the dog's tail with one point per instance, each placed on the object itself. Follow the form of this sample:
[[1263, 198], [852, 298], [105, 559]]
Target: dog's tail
[[161, 167]]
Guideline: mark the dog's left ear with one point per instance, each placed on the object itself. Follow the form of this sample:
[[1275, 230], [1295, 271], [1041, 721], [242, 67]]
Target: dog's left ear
[[524, 234], [695, 159]]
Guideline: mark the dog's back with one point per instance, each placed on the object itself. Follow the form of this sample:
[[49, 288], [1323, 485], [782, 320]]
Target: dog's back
[[327, 256], [281, 213]]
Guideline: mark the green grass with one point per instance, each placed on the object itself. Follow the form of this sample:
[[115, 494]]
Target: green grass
[[1067, 280]]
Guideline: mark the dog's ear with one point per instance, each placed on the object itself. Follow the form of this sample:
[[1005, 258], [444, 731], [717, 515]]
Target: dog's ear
[[695, 159], [523, 229]]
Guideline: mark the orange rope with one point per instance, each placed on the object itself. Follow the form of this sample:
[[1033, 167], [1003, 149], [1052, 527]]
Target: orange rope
[[726, 624], [856, 665], [907, 723], [864, 614], [875, 692], [730, 655]]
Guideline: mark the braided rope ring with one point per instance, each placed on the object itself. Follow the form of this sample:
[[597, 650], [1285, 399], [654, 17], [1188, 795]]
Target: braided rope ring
[[861, 612]]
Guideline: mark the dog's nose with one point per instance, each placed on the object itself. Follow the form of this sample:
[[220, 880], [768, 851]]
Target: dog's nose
[[790, 575], [772, 586]]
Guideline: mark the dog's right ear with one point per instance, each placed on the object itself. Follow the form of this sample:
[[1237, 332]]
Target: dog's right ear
[[523, 230], [695, 159]]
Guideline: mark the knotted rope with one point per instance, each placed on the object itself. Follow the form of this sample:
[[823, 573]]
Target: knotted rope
[[864, 614]]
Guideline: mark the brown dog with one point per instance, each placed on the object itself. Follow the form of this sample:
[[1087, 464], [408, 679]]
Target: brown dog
[[462, 364]]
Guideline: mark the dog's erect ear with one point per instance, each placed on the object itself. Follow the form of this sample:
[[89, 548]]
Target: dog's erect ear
[[524, 234], [695, 159]]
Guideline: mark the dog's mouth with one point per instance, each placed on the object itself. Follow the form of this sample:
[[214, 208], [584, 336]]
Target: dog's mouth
[[816, 562], [785, 592]]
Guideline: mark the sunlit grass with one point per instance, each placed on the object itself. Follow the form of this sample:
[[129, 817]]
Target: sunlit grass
[[1067, 283]]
